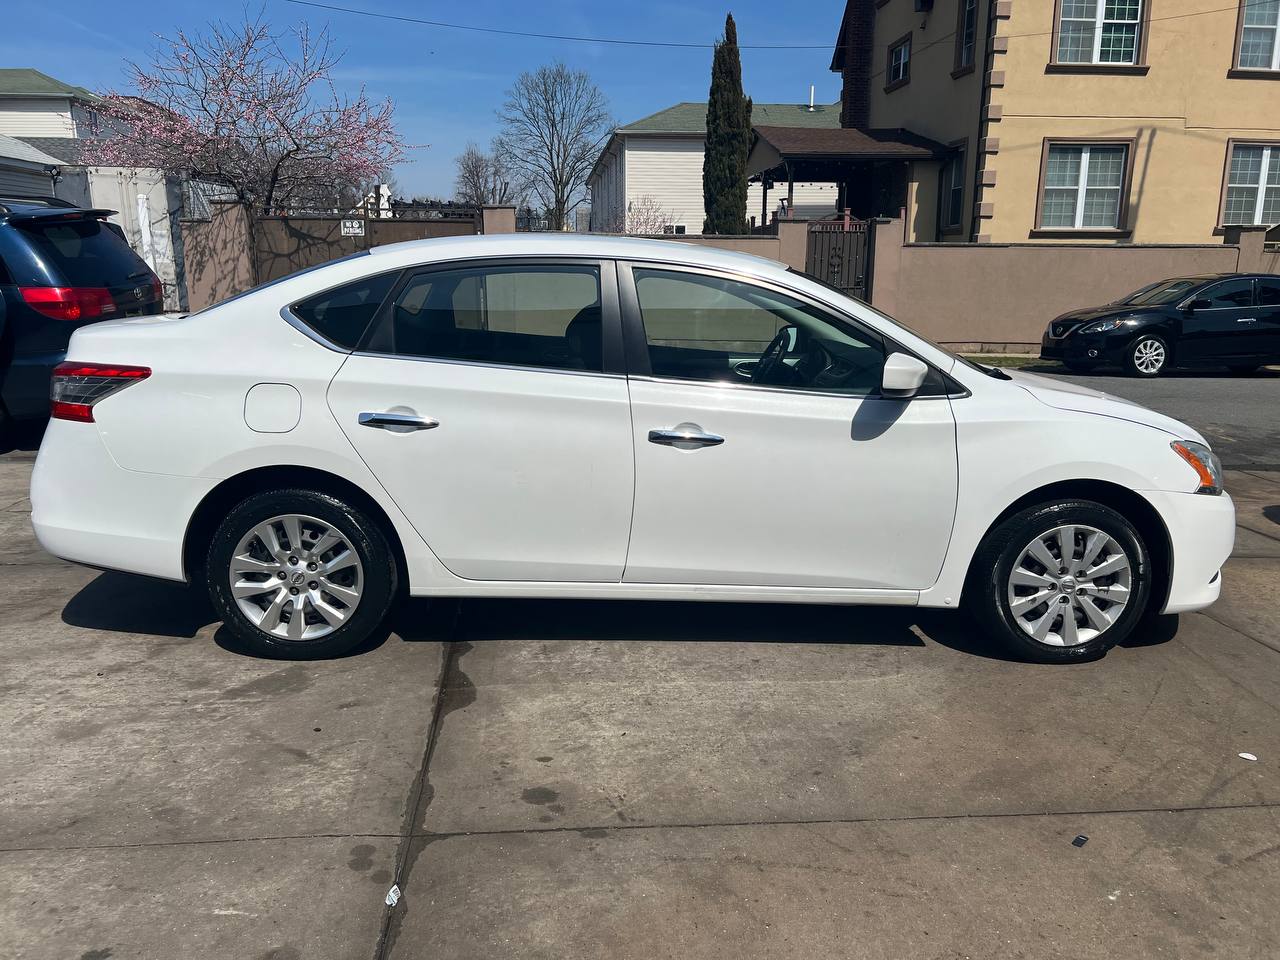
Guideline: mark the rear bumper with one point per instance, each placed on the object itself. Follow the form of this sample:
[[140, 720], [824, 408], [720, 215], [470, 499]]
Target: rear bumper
[[1202, 532], [88, 509], [24, 384]]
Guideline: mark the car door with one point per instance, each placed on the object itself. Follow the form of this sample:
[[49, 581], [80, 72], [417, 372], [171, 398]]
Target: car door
[[490, 402], [801, 475], [1268, 314], [1220, 324]]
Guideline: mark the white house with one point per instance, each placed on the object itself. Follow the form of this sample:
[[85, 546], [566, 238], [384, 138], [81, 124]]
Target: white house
[[655, 166], [54, 120]]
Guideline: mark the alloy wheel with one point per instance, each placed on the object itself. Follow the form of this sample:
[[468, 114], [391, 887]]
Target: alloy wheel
[[296, 578], [1149, 356], [1069, 585]]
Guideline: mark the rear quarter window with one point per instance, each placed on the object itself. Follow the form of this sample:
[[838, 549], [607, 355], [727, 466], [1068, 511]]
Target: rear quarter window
[[341, 315], [83, 253]]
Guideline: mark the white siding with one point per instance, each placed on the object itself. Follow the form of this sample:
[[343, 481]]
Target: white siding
[[29, 183], [36, 117], [670, 171], [607, 205]]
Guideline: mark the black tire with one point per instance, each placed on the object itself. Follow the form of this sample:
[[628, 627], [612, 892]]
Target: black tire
[[994, 562], [1243, 369], [378, 573], [1134, 363]]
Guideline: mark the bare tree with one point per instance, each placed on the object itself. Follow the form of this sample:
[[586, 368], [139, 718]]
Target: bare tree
[[645, 216], [484, 178], [554, 123]]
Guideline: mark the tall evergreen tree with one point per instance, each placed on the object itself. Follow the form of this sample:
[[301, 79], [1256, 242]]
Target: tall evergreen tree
[[724, 165]]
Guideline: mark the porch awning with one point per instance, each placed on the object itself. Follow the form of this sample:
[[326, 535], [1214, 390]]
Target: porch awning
[[773, 146]]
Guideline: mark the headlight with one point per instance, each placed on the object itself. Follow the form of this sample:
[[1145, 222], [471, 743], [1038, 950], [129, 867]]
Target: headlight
[[1204, 462], [1104, 326]]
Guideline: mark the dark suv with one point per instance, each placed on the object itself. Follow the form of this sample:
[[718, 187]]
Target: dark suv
[[1227, 320], [61, 267]]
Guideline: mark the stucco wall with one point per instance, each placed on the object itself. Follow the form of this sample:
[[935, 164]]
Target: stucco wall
[[1003, 295]]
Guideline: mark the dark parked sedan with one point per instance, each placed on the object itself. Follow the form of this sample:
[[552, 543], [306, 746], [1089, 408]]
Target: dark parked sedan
[[1226, 319], [61, 267]]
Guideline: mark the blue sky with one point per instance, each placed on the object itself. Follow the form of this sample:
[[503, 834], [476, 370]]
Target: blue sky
[[446, 84]]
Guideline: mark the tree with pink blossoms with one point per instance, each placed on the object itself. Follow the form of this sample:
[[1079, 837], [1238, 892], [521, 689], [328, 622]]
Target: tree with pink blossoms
[[252, 111]]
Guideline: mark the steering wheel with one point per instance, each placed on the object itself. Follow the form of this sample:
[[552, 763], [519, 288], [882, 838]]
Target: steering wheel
[[771, 360]]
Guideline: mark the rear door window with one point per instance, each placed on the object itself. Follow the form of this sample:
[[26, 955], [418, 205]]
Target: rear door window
[[83, 253], [1269, 293], [342, 315]]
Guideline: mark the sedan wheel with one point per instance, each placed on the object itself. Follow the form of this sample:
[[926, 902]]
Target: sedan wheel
[[1061, 582], [1148, 356], [1069, 585], [298, 574]]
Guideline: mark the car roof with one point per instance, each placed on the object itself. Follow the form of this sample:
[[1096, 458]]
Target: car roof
[[576, 245]]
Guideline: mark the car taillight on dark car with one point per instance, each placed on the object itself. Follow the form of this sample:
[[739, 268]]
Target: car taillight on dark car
[[70, 303], [76, 387]]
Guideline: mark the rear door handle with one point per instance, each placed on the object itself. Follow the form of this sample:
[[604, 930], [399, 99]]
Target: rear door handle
[[401, 421], [679, 437]]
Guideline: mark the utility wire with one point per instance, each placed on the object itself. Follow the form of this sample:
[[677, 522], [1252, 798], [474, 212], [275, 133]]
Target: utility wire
[[701, 46]]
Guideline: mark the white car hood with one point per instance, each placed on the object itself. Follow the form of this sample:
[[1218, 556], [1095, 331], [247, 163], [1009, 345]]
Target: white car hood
[[1065, 395]]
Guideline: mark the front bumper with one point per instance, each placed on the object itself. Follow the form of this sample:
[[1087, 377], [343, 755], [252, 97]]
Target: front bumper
[[1202, 533], [1086, 348], [88, 509]]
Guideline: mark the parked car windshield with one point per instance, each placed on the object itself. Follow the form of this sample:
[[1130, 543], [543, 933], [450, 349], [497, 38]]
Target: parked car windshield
[[1166, 291], [84, 253]]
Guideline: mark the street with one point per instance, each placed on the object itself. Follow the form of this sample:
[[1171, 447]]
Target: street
[[568, 779]]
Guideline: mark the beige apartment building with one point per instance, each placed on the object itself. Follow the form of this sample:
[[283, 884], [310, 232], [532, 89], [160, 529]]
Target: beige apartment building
[[1125, 121]]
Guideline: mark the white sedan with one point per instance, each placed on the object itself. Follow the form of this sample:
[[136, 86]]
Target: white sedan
[[560, 416]]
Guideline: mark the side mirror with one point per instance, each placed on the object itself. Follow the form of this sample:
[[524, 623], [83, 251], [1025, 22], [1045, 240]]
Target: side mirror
[[1200, 303], [903, 375]]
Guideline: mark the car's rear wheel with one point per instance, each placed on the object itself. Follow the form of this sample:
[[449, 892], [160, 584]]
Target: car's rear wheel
[[1061, 582], [300, 575], [1147, 356]]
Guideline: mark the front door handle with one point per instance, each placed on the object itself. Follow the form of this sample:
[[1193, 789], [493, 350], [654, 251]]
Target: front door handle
[[1247, 320], [397, 421], [681, 436]]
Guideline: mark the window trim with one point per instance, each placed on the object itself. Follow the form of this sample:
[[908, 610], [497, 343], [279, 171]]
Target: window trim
[[961, 148], [1237, 72], [610, 313], [1232, 143], [637, 343], [959, 68], [1123, 227], [1139, 67], [891, 85]]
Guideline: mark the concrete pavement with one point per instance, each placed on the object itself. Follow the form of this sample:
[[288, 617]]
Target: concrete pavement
[[632, 780]]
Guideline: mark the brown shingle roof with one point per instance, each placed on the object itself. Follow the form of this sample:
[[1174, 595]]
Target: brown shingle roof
[[897, 144]]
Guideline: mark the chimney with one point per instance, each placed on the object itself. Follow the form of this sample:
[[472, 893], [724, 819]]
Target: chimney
[[857, 38]]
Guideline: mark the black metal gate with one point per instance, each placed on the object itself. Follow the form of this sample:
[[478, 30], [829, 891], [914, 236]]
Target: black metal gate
[[839, 255]]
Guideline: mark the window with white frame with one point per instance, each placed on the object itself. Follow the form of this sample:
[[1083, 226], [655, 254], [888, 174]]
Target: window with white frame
[[1083, 186], [1253, 185], [1260, 35], [1099, 31], [966, 33], [899, 70], [952, 193]]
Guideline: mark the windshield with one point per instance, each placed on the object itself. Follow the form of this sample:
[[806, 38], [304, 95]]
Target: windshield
[[84, 253], [1166, 291]]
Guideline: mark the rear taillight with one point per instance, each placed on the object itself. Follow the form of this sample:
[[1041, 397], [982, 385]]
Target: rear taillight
[[76, 387], [70, 303], [157, 290]]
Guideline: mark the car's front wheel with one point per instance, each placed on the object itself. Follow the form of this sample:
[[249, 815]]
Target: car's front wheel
[[1061, 582], [1147, 356], [300, 575]]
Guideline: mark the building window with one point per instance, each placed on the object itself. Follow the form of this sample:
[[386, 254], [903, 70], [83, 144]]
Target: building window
[[898, 71], [1259, 42], [1099, 31], [1083, 186], [951, 194], [1253, 185], [966, 35]]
